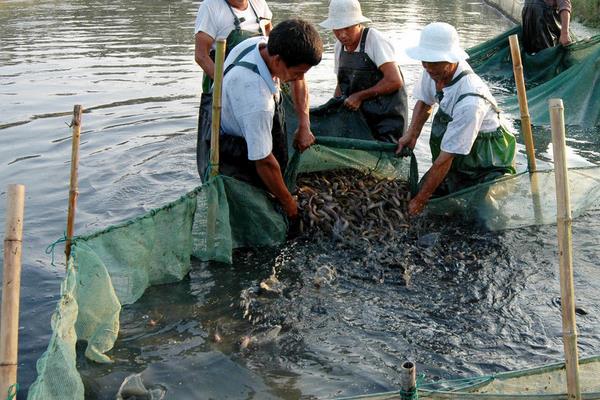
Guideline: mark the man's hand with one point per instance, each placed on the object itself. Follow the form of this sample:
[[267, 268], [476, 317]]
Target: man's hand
[[564, 39], [290, 207], [353, 102], [416, 206], [407, 140], [303, 138]]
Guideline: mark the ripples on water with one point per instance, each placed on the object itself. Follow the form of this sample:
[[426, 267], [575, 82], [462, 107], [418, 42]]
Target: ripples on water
[[130, 64]]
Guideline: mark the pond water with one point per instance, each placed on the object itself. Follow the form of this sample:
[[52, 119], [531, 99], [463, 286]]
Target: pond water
[[130, 64]]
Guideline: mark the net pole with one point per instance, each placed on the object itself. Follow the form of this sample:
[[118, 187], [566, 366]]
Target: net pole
[[408, 381], [564, 221], [73, 185], [216, 108], [515, 51], [11, 288]]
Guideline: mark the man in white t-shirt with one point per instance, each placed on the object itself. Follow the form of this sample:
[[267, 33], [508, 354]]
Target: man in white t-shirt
[[469, 142], [367, 73], [253, 143], [237, 20]]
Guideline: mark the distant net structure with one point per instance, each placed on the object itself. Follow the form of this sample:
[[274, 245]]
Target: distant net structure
[[571, 73]]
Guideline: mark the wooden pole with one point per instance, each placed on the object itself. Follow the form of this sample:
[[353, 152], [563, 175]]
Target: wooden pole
[[522, 94], [567, 289], [408, 381], [74, 189], [11, 288], [216, 108]]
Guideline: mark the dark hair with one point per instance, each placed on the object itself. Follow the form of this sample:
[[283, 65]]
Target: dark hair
[[296, 42]]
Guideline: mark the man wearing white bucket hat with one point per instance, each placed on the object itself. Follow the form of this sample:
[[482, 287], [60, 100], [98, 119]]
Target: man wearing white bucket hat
[[469, 142], [367, 74]]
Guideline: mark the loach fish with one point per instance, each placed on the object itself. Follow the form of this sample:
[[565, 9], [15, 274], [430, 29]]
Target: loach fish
[[348, 204]]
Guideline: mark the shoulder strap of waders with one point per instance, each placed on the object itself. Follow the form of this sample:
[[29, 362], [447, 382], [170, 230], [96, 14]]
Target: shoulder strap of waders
[[363, 39], [440, 94], [237, 21], [492, 104], [238, 61]]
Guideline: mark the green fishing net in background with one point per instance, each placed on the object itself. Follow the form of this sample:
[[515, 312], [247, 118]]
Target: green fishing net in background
[[570, 73]]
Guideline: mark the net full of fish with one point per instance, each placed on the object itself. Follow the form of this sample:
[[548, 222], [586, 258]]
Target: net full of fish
[[349, 204]]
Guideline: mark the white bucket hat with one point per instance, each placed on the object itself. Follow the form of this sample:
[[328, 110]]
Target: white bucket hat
[[439, 42], [344, 13]]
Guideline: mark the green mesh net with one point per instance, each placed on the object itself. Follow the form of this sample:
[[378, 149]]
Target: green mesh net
[[520, 200], [114, 267], [547, 382], [570, 73]]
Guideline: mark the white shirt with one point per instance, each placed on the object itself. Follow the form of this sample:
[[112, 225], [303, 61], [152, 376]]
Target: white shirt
[[470, 116], [248, 105], [214, 18], [379, 49]]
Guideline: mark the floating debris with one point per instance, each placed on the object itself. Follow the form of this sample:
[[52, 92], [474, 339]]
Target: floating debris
[[348, 204]]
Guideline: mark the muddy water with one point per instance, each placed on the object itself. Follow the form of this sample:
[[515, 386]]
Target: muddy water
[[130, 64]]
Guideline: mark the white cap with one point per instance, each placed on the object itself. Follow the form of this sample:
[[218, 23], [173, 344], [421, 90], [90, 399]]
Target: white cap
[[439, 42], [344, 13]]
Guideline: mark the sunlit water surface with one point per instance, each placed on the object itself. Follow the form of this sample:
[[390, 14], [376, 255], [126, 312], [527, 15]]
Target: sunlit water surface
[[476, 303]]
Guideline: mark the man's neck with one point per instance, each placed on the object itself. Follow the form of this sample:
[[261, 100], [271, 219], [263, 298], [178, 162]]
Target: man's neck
[[264, 53], [239, 4]]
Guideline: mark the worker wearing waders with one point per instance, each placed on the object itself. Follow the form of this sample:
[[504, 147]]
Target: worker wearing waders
[[235, 20], [253, 141], [545, 24], [367, 74], [469, 142]]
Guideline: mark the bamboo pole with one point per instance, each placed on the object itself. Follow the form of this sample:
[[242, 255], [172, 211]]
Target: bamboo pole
[[11, 288], [408, 381], [522, 94], [74, 189], [567, 289], [216, 108]]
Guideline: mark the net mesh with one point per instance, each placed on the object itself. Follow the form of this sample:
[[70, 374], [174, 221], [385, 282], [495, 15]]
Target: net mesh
[[114, 267], [571, 73]]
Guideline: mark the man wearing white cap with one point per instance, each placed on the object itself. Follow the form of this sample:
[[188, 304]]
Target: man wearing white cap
[[367, 73], [469, 143]]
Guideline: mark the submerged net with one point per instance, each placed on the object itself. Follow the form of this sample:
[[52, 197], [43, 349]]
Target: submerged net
[[548, 382], [571, 73]]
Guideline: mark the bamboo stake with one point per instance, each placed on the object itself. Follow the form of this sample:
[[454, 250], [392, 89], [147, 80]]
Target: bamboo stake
[[74, 189], [567, 289], [408, 381], [522, 94], [11, 288], [216, 108]]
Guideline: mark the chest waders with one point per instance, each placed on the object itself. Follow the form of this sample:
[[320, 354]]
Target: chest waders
[[233, 150], [491, 156], [386, 114], [541, 26], [235, 37]]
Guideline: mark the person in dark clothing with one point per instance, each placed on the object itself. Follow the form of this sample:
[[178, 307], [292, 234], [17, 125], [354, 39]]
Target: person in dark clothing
[[545, 24], [367, 74]]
